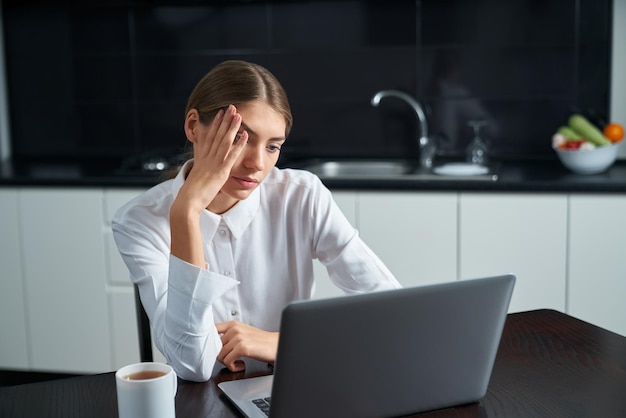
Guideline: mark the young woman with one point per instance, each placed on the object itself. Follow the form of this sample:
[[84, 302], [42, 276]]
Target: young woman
[[218, 251]]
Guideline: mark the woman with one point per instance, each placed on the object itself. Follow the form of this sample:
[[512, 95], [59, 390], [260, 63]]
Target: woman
[[218, 251]]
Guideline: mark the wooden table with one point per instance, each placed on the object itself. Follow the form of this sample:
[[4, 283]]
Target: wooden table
[[548, 365]]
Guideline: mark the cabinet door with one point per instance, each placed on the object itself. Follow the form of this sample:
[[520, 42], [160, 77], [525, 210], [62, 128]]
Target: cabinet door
[[124, 336], [597, 261], [413, 233], [64, 273], [14, 346], [346, 200], [523, 234]]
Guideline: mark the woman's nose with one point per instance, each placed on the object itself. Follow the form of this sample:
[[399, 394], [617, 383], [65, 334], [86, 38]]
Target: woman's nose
[[253, 158]]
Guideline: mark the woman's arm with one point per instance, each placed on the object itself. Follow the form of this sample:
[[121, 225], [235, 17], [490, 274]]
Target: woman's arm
[[215, 152], [177, 296], [352, 265]]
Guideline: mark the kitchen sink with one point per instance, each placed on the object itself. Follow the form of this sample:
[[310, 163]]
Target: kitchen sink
[[359, 168], [379, 169]]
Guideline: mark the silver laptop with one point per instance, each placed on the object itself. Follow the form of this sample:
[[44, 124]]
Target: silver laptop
[[382, 354]]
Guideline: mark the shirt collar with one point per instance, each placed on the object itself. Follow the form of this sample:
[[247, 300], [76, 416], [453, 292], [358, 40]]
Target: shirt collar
[[239, 216], [236, 218]]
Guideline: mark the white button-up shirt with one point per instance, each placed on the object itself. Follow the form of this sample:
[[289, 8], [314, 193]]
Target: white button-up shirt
[[259, 258]]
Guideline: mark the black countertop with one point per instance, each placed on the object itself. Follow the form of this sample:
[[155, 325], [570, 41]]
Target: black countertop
[[512, 176]]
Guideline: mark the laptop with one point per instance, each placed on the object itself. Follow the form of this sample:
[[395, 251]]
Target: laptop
[[382, 354]]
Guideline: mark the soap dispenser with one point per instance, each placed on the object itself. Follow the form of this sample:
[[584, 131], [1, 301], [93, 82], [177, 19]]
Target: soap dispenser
[[477, 150]]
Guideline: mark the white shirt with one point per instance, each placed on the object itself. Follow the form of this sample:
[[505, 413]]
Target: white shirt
[[259, 256]]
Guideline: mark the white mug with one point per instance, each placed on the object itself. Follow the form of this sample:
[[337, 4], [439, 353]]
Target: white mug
[[146, 390]]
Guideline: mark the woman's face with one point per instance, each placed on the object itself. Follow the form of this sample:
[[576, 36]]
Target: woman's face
[[266, 135]]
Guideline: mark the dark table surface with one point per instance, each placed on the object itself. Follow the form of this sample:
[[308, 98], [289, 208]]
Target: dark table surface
[[548, 365]]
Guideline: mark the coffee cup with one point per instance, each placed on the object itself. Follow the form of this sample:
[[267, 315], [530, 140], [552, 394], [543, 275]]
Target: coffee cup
[[146, 390]]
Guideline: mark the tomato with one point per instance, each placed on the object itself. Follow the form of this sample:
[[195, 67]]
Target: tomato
[[614, 131], [572, 145]]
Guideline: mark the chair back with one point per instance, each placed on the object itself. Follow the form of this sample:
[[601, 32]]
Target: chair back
[[143, 328]]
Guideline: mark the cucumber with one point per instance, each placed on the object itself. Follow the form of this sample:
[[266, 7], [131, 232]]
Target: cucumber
[[587, 130], [569, 133]]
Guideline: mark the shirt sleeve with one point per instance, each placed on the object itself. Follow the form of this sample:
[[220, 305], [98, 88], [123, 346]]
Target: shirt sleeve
[[351, 264], [188, 338], [178, 298], [357, 269]]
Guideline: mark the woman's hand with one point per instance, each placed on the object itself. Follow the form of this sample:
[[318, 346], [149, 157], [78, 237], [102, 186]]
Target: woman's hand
[[216, 149], [242, 340]]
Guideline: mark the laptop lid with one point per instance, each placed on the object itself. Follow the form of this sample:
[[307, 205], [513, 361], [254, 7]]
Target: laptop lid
[[388, 353]]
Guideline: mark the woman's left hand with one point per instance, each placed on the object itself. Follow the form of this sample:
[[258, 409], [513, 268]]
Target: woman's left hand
[[242, 340]]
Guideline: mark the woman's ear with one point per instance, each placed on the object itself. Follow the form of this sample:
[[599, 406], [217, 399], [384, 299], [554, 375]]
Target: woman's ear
[[192, 122]]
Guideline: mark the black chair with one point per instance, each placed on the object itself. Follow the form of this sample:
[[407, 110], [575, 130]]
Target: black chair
[[143, 326]]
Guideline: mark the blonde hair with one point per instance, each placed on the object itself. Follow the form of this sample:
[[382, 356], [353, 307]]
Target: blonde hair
[[236, 82]]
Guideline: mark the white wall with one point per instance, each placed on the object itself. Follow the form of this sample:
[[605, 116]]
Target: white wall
[[618, 70]]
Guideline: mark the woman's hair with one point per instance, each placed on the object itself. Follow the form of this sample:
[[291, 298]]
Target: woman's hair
[[237, 82]]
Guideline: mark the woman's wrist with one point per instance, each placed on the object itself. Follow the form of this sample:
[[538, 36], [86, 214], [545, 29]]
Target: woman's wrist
[[186, 239]]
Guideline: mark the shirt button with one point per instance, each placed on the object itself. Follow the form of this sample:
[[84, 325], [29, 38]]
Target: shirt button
[[227, 273], [222, 232], [234, 312]]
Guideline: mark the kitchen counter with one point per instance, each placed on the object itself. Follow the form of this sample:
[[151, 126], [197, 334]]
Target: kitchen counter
[[513, 176]]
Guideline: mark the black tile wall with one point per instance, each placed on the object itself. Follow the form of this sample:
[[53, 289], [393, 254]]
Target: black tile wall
[[110, 78]]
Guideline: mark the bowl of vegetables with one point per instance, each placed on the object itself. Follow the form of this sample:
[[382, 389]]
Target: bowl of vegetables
[[585, 149]]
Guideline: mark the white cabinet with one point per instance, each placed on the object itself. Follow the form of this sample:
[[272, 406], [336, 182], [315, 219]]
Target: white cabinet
[[64, 279], [524, 234], [67, 304], [14, 346], [413, 233], [597, 260], [123, 325]]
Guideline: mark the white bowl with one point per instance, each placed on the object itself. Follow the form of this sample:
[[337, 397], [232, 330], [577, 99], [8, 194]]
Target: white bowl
[[591, 161]]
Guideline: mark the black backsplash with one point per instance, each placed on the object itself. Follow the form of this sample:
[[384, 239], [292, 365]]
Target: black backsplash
[[107, 79]]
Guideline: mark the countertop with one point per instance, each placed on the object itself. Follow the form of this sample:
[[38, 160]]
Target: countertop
[[512, 176]]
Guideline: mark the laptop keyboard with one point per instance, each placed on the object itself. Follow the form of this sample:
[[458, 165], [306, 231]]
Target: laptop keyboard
[[263, 404]]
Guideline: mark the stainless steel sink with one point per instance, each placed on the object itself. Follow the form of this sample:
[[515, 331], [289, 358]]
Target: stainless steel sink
[[359, 169], [385, 170]]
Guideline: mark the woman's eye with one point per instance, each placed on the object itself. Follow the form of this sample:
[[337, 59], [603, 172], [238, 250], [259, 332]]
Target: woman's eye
[[273, 148]]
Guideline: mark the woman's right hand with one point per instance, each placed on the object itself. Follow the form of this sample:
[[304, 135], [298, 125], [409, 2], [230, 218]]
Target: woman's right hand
[[216, 149]]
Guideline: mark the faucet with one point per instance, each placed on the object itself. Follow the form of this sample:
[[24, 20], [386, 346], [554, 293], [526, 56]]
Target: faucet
[[427, 146]]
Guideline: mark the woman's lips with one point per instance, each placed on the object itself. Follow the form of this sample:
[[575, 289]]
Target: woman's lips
[[246, 182]]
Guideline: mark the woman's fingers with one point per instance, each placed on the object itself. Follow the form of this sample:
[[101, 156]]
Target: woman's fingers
[[242, 340], [204, 143], [230, 354], [230, 124], [231, 359], [221, 137], [241, 139]]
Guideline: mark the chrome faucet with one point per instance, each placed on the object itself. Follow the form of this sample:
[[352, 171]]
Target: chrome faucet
[[427, 146]]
